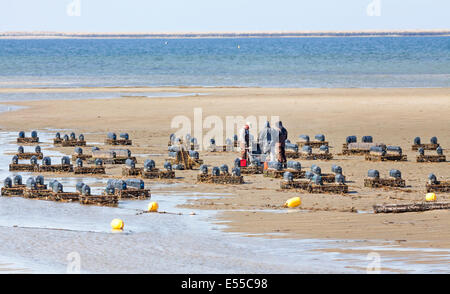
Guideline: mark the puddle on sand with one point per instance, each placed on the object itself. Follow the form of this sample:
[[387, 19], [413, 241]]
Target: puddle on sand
[[41, 234], [410, 260], [12, 267], [6, 108], [33, 96]]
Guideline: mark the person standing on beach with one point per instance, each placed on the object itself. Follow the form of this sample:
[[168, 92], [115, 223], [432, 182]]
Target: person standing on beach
[[281, 144], [266, 140], [244, 138]]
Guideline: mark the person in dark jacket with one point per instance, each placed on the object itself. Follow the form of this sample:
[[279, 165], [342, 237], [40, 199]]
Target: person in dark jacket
[[281, 144]]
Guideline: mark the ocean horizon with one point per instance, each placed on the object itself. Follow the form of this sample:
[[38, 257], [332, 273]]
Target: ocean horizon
[[307, 62]]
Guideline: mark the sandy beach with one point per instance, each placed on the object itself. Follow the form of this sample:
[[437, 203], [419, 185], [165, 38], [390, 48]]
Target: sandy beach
[[391, 116]]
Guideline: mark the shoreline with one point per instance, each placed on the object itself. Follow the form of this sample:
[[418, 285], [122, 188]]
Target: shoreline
[[181, 88]]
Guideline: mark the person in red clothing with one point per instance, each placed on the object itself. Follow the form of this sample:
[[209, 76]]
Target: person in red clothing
[[244, 138]]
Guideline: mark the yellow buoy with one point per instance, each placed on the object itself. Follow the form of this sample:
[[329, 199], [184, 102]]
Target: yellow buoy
[[293, 202], [430, 197], [153, 207], [117, 224]]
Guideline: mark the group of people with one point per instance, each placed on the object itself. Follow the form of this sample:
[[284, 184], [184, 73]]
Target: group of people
[[271, 142]]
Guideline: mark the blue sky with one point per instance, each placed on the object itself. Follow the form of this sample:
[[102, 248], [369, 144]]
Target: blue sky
[[225, 15]]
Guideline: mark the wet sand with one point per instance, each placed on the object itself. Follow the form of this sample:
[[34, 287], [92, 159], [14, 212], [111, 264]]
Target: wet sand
[[392, 116]]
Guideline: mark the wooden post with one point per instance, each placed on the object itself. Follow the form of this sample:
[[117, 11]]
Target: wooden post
[[411, 207]]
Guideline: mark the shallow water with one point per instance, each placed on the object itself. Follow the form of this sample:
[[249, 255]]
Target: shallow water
[[39, 236], [4, 108]]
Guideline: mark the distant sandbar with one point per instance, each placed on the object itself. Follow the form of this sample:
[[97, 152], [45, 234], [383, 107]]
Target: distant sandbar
[[300, 34]]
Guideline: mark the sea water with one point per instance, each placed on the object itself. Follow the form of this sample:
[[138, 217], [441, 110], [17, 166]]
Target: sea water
[[255, 62]]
